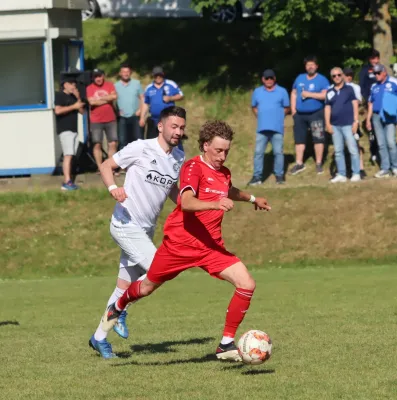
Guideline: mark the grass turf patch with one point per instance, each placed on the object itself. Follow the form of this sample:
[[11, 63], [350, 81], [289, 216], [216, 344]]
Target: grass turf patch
[[57, 234], [333, 333]]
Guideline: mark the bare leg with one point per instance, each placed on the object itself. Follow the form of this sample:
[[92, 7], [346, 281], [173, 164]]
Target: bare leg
[[98, 153], [67, 168], [319, 151], [299, 151], [112, 148]]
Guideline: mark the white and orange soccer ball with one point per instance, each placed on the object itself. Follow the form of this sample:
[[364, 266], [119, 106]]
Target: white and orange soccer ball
[[255, 347]]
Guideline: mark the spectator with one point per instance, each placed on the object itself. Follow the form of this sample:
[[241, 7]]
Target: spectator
[[341, 121], [67, 106], [348, 77], [307, 107], [367, 76], [160, 94], [101, 95], [385, 129], [129, 102], [270, 104]]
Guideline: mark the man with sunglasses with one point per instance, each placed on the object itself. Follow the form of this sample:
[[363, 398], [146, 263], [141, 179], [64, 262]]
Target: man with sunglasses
[[160, 94], [384, 126], [270, 104], [341, 121]]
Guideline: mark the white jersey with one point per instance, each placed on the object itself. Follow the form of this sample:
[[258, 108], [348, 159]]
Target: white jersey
[[151, 174]]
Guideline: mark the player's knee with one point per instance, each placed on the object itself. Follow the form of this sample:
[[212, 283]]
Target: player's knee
[[147, 288], [248, 284]]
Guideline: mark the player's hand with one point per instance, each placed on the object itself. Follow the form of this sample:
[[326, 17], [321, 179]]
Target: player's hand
[[329, 129], [261, 204], [225, 204], [305, 94], [138, 113], [166, 99], [368, 125], [76, 93], [119, 194], [79, 104], [355, 127], [142, 122]]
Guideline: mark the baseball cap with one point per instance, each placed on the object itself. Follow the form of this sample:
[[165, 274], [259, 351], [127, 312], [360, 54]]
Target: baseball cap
[[97, 72], [379, 68], [348, 71], [158, 71], [268, 73]]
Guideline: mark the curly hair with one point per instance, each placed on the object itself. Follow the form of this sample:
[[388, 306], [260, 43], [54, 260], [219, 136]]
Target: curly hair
[[214, 128]]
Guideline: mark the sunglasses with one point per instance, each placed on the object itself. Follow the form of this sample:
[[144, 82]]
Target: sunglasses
[[269, 78], [337, 75], [377, 73]]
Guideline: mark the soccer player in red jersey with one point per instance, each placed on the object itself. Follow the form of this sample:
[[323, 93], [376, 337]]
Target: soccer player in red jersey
[[193, 237]]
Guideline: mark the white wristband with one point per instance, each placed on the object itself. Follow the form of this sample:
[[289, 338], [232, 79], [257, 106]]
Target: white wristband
[[111, 187], [252, 199]]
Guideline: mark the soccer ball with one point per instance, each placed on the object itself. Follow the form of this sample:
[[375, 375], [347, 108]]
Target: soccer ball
[[255, 347]]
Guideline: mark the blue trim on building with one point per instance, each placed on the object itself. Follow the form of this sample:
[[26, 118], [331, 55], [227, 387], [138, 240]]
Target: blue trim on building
[[25, 107], [27, 171]]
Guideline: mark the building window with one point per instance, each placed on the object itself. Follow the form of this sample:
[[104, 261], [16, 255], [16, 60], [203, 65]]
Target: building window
[[22, 78]]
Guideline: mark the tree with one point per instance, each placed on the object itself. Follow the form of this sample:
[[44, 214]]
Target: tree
[[299, 20]]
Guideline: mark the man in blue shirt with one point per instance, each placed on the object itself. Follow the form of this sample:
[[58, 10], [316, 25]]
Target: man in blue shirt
[[160, 94], [270, 104], [341, 121], [129, 101], [307, 107], [385, 130]]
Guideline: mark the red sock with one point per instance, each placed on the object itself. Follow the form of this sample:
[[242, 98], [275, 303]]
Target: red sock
[[238, 306], [130, 295]]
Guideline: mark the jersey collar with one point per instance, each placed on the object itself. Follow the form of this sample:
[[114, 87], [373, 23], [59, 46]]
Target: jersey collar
[[202, 160]]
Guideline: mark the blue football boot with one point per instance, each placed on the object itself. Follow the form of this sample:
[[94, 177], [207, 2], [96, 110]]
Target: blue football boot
[[103, 347], [121, 325]]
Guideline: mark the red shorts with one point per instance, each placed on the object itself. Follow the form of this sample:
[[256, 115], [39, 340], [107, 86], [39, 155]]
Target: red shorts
[[172, 258]]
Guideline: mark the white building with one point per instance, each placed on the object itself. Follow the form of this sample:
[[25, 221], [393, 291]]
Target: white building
[[38, 40]]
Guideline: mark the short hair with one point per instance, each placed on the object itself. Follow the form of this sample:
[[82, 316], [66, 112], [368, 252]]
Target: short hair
[[173, 111], [374, 54], [125, 65], [211, 129], [336, 68], [310, 59]]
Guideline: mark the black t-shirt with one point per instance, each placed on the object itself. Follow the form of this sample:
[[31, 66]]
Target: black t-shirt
[[66, 122]]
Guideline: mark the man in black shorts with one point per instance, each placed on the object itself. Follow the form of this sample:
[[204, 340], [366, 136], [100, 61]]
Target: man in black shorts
[[307, 107]]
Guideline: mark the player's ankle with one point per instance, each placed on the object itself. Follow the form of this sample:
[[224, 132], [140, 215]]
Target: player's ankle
[[227, 340]]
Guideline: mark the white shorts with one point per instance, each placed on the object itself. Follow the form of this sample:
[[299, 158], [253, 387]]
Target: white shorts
[[137, 249], [69, 143]]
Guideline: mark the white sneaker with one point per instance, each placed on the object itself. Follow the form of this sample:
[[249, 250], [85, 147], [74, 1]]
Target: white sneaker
[[355, 178], [382, 174], [338, 179], [394, 171]]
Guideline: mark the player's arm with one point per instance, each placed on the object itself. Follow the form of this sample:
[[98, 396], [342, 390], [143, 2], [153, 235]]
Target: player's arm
[[190, 203], [96, 102], [106, 169], [143, 114], [314, 95], [293, 102], [174, 193], [239, 195]]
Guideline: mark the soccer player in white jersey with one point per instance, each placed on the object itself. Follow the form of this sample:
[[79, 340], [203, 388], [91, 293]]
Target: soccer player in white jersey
[[153, 167]]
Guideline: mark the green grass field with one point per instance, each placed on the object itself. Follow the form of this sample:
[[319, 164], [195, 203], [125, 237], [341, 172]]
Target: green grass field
[[333, 332]]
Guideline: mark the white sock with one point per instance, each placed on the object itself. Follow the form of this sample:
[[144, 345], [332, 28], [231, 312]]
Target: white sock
[[227, 340], [100, 334]]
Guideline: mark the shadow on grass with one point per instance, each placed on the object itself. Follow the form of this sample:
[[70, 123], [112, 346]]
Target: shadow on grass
[[243, 367], [4, 323], [166, 347], [196, 360]]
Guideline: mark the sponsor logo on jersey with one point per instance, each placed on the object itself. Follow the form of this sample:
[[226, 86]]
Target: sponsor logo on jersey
[[210, 179], [153, 162], [158, 179], [311, 86], [220, 192], [176, 167]]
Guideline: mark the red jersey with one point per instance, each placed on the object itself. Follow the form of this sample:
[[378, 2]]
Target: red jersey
[[202, 228], [105, 113]]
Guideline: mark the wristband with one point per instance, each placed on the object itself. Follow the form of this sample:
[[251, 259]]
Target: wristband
[[252, 199], [111, 187]]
